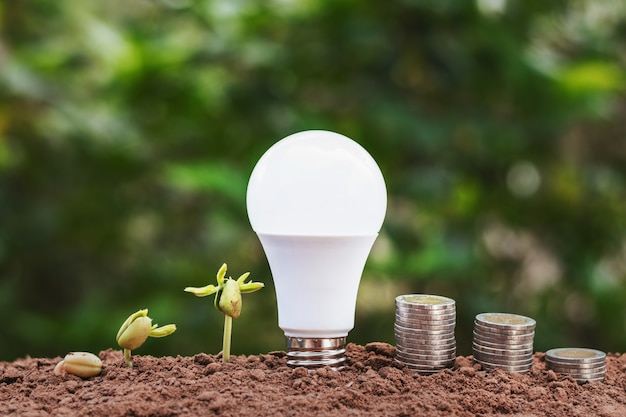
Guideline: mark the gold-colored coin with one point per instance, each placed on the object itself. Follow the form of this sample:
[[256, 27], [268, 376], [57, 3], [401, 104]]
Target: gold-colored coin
[[425, 299], [505, 320]]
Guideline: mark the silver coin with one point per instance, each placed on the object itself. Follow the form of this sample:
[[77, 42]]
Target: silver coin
[[431, 359], [426, 364], [427, 327], [591, 373], [429, 352], [424, 319], [512, 369], [432, 363], [425, 359], [501, 331], [424, 326], [587, 376], [425, 370], [491, 345], [503, 346], [432, 338], [404, 345], [495, 360], [445, 328], [428, 344], [581, 366], [418, 323], [504, 340], [494, 332], [425, 301], [407, 344], [505, 320], [417, 333], [425, 311], [504, 362], [502, 352], [575, 355], [420, 316], [427, 340]]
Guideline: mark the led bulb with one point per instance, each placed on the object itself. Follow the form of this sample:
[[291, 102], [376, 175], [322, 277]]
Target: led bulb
[[317, 201]]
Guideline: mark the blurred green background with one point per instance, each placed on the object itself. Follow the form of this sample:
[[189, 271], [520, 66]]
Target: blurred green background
[[129, 129]]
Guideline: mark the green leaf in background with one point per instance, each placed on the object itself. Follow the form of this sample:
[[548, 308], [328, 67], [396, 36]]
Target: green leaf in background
[[207, 177], [593, 77]]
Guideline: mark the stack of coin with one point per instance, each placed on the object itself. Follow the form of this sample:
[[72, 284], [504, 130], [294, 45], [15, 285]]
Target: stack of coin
[[504, 341], [581, 364], [424, 331]]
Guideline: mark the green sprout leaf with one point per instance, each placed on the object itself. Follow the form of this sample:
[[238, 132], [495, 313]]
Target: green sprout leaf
[[227, 300], [135, 331]]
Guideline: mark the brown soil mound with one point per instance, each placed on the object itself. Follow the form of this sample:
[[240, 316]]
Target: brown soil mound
[[263, 385]]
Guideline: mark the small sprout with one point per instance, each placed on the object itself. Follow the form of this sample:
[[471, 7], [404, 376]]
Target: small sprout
[[227, 300], [136, 330], [82, 364]]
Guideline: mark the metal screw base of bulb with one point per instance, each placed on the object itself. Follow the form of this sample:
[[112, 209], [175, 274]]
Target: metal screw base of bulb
[[316, 352]]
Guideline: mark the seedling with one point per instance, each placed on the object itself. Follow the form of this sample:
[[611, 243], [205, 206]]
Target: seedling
[[227, 300], [136, 330]]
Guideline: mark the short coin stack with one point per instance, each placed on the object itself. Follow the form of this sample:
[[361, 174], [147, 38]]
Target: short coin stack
[[504, 341], [582, 364], [424, 331]]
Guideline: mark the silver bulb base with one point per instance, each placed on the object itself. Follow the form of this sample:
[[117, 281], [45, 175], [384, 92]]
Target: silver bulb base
[[316, 352]]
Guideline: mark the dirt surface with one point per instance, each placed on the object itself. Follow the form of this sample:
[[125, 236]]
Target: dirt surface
[[263, 385]]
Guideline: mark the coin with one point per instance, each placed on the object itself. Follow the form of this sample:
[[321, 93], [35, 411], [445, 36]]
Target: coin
[[505, 320], [503, 360], [424, 332], [512, 369], [448, 331], [570, 370], [432, 364], [501, 331], [582, 364], [425, 360], [447, 328], [500, 343], [501, 352], [430, 319], [426, 301], [575, 355], [504, 341], [426, 369], [429, 352], [508, 341]]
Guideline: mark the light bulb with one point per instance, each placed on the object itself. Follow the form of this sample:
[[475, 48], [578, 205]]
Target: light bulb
[[317, 201]]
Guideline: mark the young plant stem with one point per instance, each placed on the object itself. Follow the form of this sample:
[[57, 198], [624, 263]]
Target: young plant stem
[[127, 358], [228, 330]]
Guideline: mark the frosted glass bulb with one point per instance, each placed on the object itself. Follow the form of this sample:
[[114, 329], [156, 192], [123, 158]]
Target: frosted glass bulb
[[316, 183], [317, 201]]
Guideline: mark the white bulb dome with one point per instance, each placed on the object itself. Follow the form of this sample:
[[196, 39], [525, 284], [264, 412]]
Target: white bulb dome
[[316, 183]]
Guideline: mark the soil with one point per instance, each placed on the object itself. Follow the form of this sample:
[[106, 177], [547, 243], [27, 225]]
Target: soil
[[372, 383]]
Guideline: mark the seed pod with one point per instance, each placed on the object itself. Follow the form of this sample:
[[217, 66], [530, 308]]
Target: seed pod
[[136, 333], [82, 364], [229, 301]]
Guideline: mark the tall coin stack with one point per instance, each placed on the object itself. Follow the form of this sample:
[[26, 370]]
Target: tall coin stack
[[504, 341], [582, 364], [424, 332]]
